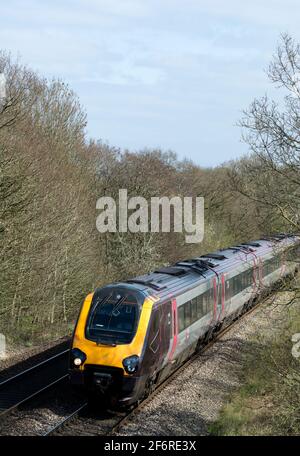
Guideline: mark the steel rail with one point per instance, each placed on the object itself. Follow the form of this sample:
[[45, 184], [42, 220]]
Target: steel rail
[[31, 382], [66, 420]]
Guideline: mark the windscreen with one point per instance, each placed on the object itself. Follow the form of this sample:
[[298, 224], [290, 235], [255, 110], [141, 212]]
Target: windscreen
[[114, 316]]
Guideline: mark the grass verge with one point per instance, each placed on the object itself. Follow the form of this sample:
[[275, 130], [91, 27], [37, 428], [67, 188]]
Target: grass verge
[[268, 402]]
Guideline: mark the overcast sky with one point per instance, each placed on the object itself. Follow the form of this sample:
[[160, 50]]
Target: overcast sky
[[173, 74]]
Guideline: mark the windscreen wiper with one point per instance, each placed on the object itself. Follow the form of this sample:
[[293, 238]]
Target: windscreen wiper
[[115, 312]]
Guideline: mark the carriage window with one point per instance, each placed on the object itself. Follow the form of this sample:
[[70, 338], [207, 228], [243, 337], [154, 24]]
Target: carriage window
[[250, 277], [187, 313], [200, 311], [181, 318], [271, 265], [239, 282], [194, 309]]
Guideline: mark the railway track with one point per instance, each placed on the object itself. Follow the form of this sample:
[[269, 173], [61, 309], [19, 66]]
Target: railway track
[[28, 384], [83, 422]]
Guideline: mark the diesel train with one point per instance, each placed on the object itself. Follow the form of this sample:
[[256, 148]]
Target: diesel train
[[131, 335]]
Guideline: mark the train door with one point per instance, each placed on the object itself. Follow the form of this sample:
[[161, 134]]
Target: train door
[[256, 275], [165, 329], [219, 290], [223, 295], [158, 338], [165, 316], [227, 295]]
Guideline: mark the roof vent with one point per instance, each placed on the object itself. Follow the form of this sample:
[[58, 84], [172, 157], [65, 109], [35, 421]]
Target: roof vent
[[214, 256], [253, 244], [171, 270], [149, 283], [245, 247], [193, 266]]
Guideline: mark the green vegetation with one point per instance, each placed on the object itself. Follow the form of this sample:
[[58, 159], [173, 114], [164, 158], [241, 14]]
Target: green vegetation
[[268, 402], [51, 175]]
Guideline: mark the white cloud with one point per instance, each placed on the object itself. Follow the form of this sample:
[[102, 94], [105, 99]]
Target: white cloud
[[156, 69]]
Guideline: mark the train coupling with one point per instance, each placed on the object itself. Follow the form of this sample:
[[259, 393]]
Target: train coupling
[[102, 380]]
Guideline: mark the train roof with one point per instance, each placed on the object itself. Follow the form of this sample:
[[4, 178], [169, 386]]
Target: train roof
[[171, 280]]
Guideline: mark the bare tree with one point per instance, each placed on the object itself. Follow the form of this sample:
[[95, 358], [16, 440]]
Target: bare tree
[[271, 176]]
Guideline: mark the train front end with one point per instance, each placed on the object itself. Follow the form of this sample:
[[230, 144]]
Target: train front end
[[108, 343]]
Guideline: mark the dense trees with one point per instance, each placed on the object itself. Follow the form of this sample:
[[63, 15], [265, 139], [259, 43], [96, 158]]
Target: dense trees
[[44, 203], [51, 254]]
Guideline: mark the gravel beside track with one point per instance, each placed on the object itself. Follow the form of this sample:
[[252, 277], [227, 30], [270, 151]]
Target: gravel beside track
[[18, 363], [42, 413], [192, 400]]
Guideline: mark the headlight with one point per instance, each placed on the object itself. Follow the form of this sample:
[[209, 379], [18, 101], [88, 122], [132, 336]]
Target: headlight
[[131, 364], [77, 357], [77, 361]]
